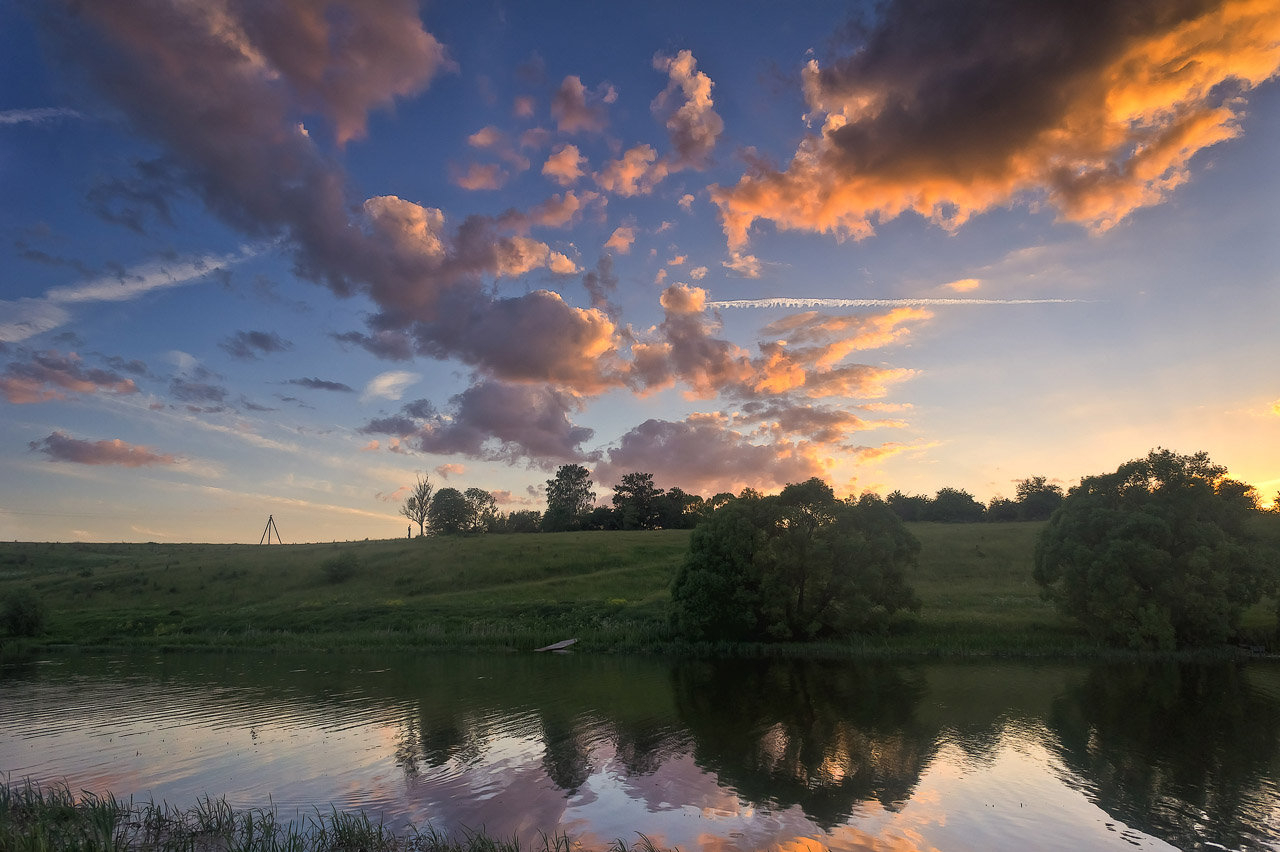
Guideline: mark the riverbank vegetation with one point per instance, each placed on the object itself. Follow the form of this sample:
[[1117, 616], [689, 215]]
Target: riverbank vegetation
[[608, 589], [44, 819]]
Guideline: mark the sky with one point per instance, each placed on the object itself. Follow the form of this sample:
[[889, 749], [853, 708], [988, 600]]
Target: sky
[[280, 259]]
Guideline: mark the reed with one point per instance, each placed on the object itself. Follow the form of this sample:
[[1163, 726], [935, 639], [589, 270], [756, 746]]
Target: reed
[[54, 819]]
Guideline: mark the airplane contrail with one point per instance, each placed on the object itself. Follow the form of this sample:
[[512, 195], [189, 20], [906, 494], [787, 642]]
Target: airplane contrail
[[784, 302]]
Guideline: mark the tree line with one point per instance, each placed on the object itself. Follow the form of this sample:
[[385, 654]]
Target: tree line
[[638, 504]]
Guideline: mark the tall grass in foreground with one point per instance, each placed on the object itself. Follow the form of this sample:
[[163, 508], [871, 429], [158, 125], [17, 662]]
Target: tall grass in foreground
[[53, 819]]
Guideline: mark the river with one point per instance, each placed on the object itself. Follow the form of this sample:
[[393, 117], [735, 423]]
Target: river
[[704, 755]]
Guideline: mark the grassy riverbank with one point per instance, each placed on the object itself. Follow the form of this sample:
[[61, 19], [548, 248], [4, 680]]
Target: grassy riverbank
[[48, 819], [609, 589]]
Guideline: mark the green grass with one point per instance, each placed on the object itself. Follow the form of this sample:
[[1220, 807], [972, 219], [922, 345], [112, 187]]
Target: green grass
[[608, 589], [35, 819]]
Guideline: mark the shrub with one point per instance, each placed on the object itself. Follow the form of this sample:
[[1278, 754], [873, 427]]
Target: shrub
[[340, 568], [24, 613]]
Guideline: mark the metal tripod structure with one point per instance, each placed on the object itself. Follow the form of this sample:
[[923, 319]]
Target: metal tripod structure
[[271, 528]]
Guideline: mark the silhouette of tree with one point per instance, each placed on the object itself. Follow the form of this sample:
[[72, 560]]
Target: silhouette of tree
[[635, 500], [418, 504], [482, 509], [449, 512]]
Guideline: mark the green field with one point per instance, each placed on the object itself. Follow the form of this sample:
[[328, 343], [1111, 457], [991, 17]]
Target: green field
[[608, 589]]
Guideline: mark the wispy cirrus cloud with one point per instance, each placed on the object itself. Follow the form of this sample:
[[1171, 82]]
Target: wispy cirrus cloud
[[25, 318], [38, 115]]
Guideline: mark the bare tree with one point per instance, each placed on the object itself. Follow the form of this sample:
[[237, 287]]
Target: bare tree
[[417, 504]]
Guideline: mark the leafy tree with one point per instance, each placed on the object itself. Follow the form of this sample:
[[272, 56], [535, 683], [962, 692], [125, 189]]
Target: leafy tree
[[909, 507], [602, 518], [1155, 555], [1002, 509], [799, 566], [482, 510], [521, 521], [1037, 498], [569, 498], [954, 505], [449, 512], [23, 613], [418, 505], [676, 510], [635, 499]]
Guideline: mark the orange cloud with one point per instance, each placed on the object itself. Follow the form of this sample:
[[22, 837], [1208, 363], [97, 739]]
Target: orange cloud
[[481, 176], [564, 166], [965, 285], [1098, 113], [636, 172], [576, 110], [621, 239], [445, 471]]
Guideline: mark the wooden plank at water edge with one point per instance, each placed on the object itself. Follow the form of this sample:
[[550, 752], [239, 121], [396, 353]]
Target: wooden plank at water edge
[[558, 646]]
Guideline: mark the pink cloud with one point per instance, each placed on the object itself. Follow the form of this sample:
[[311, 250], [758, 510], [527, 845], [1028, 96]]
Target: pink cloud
[[59, 446], [690, 115], [576, 110], [703, 455], [50, 375]]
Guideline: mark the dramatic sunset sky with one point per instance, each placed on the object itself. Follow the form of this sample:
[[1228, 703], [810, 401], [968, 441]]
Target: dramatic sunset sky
[[279, 257]]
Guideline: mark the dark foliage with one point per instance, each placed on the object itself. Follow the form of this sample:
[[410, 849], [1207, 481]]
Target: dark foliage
[[799, 566], [1156, 554], [23, 614]]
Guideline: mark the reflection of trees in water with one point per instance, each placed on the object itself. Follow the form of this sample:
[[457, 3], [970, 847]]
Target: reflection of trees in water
[[822, 735], [1184, 752]]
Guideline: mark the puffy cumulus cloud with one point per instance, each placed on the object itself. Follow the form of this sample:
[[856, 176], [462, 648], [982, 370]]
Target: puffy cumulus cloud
[[600, 283], [495, 422], [558, 211], [951, 110], [59, 446], [965, 285], [685, 348], [677, 260], [814, 423], [445, 471], [478, 176], [249, 345], [621, 239], [686, 202], [636, 172], [537, 337], [745, 265], [703, 455], [835, 337], [227, 112], [389, 385], [47, 375], [698, 273], [565, 165], [576, 110], [689, 113]]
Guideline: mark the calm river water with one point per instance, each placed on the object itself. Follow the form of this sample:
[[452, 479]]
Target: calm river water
[[729, 755]]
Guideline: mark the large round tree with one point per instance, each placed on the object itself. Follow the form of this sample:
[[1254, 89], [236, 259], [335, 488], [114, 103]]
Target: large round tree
[[1155, 555], [799, 566]]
